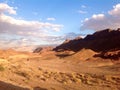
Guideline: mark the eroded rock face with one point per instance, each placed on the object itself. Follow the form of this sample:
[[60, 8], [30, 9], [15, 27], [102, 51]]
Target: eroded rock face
[[103, 40]]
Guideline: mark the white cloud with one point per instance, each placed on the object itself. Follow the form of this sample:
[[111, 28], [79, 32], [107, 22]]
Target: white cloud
[[103, 21], [5, 8], [23, 25], [10, 24], [51, 19], [98, 16], [82, 12], [23, 28], [115, 11]]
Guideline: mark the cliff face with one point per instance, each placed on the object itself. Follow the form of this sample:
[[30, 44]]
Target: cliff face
[[104, 40]]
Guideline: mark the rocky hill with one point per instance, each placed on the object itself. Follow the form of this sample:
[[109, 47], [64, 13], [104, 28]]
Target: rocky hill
[[100, 41]]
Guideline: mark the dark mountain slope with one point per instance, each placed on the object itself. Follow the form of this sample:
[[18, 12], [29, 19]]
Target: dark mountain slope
[[101, 41]]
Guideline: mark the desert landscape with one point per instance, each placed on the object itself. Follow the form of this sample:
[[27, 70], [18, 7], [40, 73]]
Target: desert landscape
[[90, 63], [59, 44]]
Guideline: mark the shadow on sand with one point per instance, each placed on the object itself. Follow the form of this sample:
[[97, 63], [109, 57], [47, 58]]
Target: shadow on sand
[[8, 86], [39, 88]]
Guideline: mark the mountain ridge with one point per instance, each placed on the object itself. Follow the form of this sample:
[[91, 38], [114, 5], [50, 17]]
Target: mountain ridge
[[100, 41]]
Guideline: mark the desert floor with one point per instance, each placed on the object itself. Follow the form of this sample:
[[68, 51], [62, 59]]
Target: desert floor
[[28, 71]]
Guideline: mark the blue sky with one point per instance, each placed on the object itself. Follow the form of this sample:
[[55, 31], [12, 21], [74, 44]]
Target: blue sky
[[56, 19]]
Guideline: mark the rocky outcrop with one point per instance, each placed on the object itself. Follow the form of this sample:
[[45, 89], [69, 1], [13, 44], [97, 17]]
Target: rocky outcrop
[[43, 49], [100, 41]]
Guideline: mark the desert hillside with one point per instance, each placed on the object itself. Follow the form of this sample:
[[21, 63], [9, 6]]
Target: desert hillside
[[90, 63]]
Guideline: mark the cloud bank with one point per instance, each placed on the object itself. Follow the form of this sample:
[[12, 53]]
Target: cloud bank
[[103, 21], [10, 26]]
